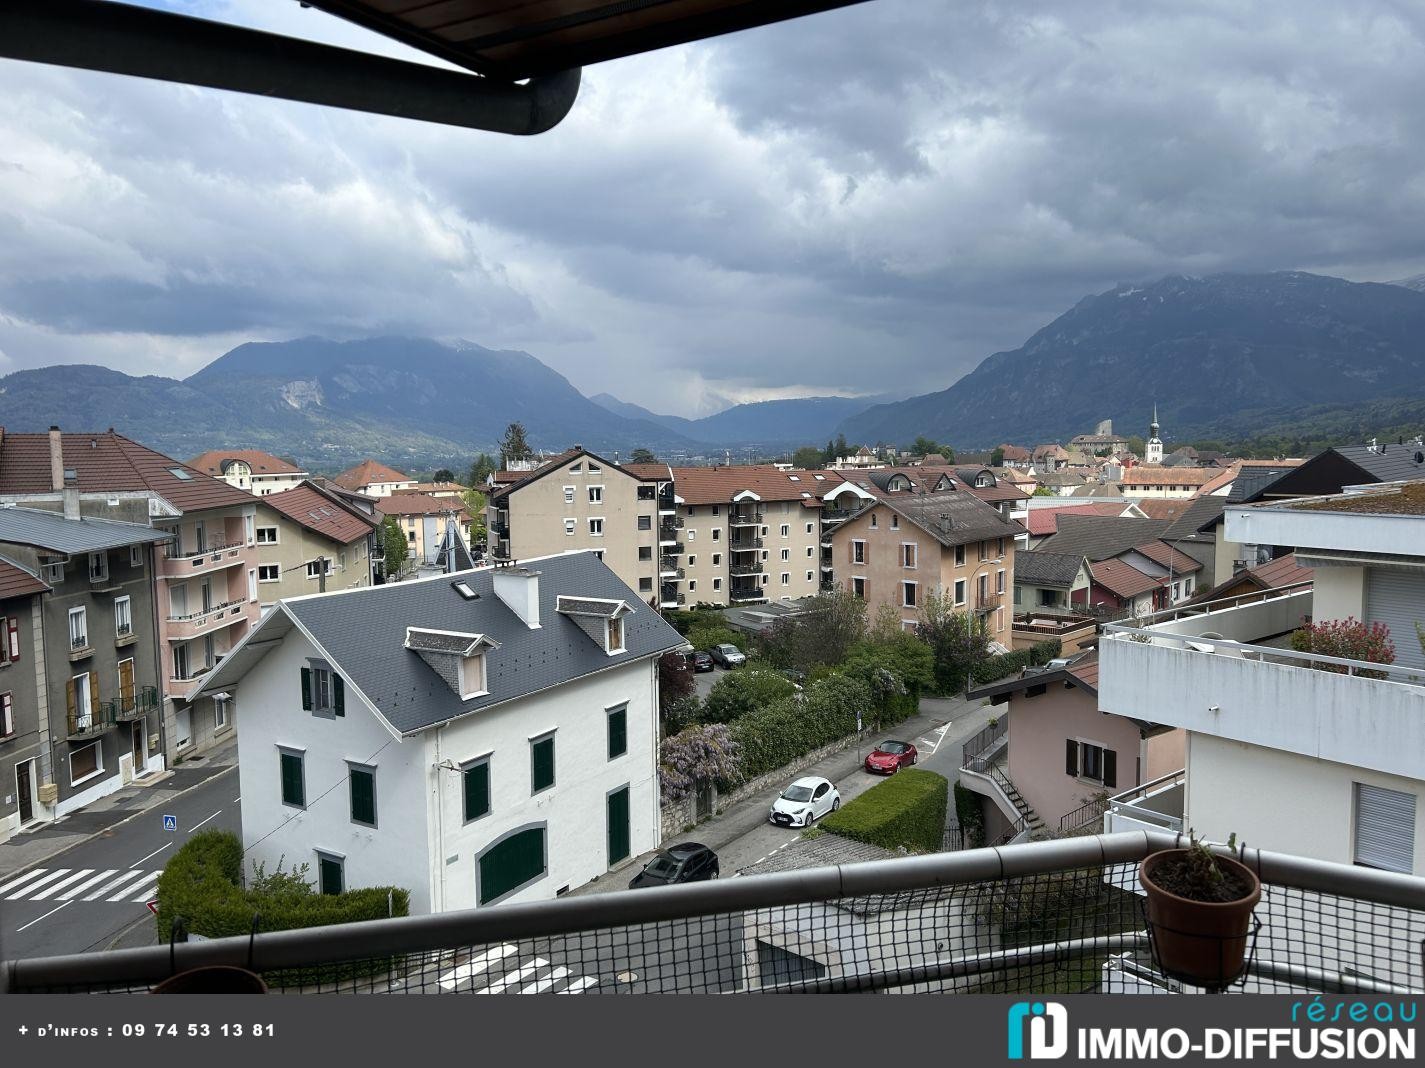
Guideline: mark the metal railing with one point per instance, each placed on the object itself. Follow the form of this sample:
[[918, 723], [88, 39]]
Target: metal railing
[[738, 570], [143, 700], [742, 545], [211, 549], [1207, 607], [985, 742], [96, 722], [1060, 916], [1091, 812], [746, 516], [189, 617], [1129, 803]]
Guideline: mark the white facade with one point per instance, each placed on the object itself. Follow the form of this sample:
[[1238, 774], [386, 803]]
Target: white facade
[[421, 840]]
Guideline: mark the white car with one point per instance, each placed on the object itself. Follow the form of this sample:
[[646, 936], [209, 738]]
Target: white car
[[804, 801]]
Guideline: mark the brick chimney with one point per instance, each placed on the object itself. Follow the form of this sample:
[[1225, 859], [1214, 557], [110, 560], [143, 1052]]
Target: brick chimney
[[56, 459]]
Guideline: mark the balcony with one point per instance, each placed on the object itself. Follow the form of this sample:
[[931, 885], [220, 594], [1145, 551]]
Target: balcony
[[747, 593], [669, 597], [143, 701], [184, 686], [669, 526], [746, 517], [667, 501], [95, 723], [744, 545], [668, 568], [213, 558], [988, 600], [670, 547], [738, 570], [1154, 806], [1043, 917], [837, 515], [1211, 670], [195, 624]]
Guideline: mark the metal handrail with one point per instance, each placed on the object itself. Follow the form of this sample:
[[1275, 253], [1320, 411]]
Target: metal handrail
[[190, 616], [1203, 608], [1172, 778], [204, 552], [986, 739], [568, 915]]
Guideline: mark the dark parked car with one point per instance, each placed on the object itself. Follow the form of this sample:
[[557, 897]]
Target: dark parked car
[[890, 756], [700, 661], [687, 862], [729, 656]]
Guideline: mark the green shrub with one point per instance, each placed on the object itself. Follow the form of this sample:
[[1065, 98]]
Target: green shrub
[[202, 883], [740, 692], [705, 636], [685, 621], [999, 667], [907, 811], [970, 816]]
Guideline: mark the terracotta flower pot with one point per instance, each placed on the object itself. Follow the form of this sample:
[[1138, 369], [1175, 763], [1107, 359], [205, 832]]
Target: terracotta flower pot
[[1199, 942], [216, 979]]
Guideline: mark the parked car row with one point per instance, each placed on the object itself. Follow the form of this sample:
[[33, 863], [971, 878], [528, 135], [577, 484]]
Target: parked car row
[[729, 656]]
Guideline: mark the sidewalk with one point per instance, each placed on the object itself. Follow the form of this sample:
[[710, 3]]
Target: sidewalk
[[751, 813], [32, 847]]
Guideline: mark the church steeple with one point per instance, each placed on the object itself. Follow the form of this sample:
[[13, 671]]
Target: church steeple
[[1153, 447]]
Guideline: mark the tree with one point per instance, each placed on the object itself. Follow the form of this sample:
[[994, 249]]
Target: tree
[[514, 445], [808, 456], [1043, 491], [924, 446], [445, 474], [997, 457], [957, 640], [740, 692], [947, 452], [394, 548], [675, 679], [481, 469], [474, 502], [696, 756], [642, 456], [1136, 445], [823, 633]]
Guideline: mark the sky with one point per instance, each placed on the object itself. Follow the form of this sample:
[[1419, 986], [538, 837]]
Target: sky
[[866, 201]]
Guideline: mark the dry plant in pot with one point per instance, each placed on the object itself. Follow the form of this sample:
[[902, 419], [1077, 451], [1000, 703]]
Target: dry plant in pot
[[1199, 911]]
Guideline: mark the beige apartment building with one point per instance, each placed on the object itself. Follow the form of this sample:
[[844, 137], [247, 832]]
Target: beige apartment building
[[259, 473], [900, 549], [304, 531], [579, 500]]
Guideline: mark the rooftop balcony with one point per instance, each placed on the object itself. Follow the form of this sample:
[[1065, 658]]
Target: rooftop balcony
[[1219, 669], [212, 558], [1059, 916]]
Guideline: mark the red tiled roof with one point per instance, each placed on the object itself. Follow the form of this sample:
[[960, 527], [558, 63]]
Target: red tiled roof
[[419, 504], [1045, 521], [367, 472], [649, 472], [1165, 555], [719, 485], [1002, 492], [110, 461], [1086, 671], [1122, 580], [1283, 571], [262, 463], [433, 487], [1013, 452], [1142, 475], [15, 581], [318, 512], [1163, 508]]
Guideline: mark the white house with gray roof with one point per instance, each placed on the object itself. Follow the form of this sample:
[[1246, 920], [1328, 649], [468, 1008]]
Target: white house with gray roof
[[479, 737]]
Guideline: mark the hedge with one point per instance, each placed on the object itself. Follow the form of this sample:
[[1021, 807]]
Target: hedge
[[202, 883], [740, 692], [774, 735], [970, 816], [994, 668], [906, 811]]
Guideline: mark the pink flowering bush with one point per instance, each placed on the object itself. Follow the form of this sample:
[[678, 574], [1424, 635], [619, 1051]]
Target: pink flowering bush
[[1348, 638], [694, 756]]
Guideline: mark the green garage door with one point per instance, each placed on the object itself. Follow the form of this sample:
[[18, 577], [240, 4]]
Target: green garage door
[[618, 826]]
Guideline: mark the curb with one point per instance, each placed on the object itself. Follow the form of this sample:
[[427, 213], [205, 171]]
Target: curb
[[120, 823]]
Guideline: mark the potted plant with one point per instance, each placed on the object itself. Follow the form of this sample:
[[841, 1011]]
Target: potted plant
[[1199, 912]]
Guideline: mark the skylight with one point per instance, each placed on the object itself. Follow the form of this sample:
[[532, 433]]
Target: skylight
[[795, 478], [178, 472], [819, 478], [463, 588]]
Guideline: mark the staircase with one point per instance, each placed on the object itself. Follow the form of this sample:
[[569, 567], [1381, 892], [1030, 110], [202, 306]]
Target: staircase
[[1031, 819]]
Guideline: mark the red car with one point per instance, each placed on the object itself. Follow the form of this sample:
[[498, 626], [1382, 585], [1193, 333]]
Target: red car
[[890, 756]]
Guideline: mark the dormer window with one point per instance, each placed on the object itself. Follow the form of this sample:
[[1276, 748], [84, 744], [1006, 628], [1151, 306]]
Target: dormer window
[[472, 676], [600, 618], [614, 641], [458, 658]]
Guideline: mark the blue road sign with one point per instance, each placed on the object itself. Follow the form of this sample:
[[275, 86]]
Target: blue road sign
[[170, 823]]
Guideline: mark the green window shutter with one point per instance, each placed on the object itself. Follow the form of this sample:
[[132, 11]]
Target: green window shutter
[[1110, 768], [293, 792], [338, 695], [331, 875], [477, 791], [306, 689], [1071, 757], [618, 826], [511, 863], [542, 770], [618, 732], [363, 796]]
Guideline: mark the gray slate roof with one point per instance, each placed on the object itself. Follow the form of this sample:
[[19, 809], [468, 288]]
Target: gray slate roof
[[50, 530], [1251, 481], [1035, 567], [1202, 514], [584, 606], [1392, 463], [1101, 537], [966, 517], [364, 631], [426, 641]]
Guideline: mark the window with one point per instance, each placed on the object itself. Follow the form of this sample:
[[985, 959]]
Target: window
[[764, 579], [220, 712], [269, 572], [980, 552], [618, 731], [717, 559], [645, 522], [294, 778], [78, 629], [693, 534], [874, 523], [717, 583], [613, 635], [472, 676], [645, 552], [692, 560], [809, 550], [1088, 760], [645, 585], [7, 716], [136, 556], [85, 763], [249, 534], [908, 555], [809, 574], [715, 510], [786, 554], [858, 587], [123, 618], [858, 551], [809, 528], [569, 525], [511, 864], [909, 590], [1017, 598], [317, 567], [323, 690], [895, 521], [786, 530], [764, 532], [959, 591], [692, 585], [252, 584], [959, 556], [52, 569], [98, 567], [9, 639], [541, 760], [1177, 590], [267, 535], [475, 786], [331, 873], [596, 528], [362, 780], [999, 548], [717, 533], [1385, 828], [594, 468], [596, 494], [999, 581], [568, 494], [786, 578]]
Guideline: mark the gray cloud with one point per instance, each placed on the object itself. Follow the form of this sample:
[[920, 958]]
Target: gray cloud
[[867, 200]]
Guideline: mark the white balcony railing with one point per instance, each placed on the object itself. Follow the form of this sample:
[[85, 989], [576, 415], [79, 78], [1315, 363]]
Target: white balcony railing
[[1154, 806]]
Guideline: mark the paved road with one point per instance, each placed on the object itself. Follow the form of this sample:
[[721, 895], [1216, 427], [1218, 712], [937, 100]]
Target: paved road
[[81, 900]]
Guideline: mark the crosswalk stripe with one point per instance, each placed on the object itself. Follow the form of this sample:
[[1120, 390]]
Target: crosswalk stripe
[[453, 978], [127, 877], [578, 986], [514, 979], [547, 983], [145, 891], [86, 884], [23, 879], [144, 879], [51, 877], [61, 884]]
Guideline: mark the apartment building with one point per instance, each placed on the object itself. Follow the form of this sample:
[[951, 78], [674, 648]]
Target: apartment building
[[93, 661], [374, 479], [310, 541], [524, 701], [579, 500], [1328, 750], [257, 472], [899, 549], [27, 788]]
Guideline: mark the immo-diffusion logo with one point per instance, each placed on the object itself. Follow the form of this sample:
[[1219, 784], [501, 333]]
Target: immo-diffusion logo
[[1048, 1025]]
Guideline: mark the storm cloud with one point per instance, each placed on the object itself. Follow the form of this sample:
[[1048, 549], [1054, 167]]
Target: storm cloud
[[865, 201]]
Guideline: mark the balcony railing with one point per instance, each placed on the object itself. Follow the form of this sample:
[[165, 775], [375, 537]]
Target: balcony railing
[[744, 545], [94, 723], [837, 515], [977, 752], [206, 551], [985, 600], [1059, 916], [745, 517], [216, 609], [747, 593], [669, 569], [1156, 805], [142, 701], [737, 570]]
